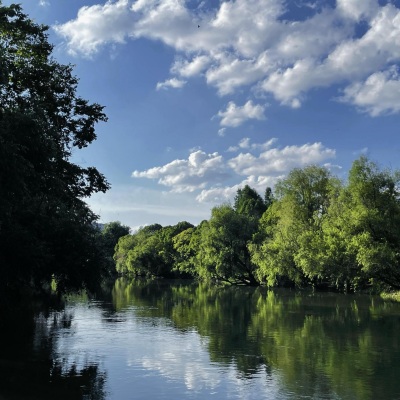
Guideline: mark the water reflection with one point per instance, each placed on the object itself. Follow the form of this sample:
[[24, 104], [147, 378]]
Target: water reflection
[[316, 345], [168, 340], [30, 367]]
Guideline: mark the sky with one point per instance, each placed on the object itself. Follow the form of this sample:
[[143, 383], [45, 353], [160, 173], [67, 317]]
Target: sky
[[204, 97]]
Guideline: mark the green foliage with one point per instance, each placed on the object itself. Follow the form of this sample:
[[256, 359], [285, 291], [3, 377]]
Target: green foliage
[[150, 251], [223, 247], [187, 245], [46, 228], [292, 245], [108, 238], [366, 219], [313, 231], [248, 202]]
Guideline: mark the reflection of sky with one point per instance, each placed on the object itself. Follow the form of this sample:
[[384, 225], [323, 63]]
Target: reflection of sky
[[147, 358]]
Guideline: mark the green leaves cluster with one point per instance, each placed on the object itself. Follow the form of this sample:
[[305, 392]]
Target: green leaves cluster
[[314, 230], [150, 251], [46, 228]]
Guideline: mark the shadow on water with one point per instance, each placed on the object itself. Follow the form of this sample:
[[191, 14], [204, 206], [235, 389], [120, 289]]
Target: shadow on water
[[29, 368]]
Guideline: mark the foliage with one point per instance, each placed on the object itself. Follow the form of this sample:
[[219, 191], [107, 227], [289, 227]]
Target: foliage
[[223, 247], [291, 228], [46, 228], [248, 202], [312, 231], [364, 223], [150, 251], [108, 238]]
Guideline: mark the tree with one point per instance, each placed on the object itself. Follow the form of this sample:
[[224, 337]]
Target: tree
[[223, 247], [363, 228], [150, 251], [46, 228], [111, 233], [291, 228], [109, 237], [248, 202], [188, 257]]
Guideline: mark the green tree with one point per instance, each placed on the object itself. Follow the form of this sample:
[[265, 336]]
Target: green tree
[[46, 228], [150, 251], [291, 228], [109, 237], [248, 202], [223, 248], [186, 244], [362, 230]]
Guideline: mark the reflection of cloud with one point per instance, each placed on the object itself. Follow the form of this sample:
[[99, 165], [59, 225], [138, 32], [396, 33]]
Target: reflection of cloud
[[184, 358], [139, 352]]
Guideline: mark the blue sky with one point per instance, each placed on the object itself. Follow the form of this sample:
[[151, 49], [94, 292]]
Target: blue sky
[[204, 97]]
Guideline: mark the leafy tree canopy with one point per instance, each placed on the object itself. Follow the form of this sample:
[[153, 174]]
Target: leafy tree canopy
[[46, 228]]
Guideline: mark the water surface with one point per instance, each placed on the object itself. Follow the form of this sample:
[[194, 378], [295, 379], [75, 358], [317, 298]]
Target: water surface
[[181, 340]]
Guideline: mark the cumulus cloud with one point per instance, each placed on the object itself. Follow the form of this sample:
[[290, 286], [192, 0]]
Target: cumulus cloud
[[235, 116], [378, 94], [358, 9], [278, 161], [96, 26], [258, 165], [171, 83], [191, 68], [253, 44], [44, 3], [198, 171]]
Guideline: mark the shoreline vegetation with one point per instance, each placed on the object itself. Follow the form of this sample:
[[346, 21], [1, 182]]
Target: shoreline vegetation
[[313, 230], [391, 296]]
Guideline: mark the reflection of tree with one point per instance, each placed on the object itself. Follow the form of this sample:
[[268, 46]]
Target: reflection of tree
[[29, 366], [318, 345]]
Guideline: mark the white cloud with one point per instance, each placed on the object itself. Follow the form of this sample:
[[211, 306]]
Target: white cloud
[[191, 68], [379, 94], [251, 44], [171, 83], [235, 115], [198, 171], [261, 166], [96, 26], [44, 3], [357, 9], [223, 194], [221, 132], [277, 161]]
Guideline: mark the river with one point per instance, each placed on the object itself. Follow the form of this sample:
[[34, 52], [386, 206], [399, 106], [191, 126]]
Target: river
[[184, 340]]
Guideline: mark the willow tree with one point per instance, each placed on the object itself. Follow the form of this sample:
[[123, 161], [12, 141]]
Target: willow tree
[[223, 247], [45, 225], [362, 231], [290, 230]]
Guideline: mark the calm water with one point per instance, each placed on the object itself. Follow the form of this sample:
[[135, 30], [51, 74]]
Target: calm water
[[166, 340]]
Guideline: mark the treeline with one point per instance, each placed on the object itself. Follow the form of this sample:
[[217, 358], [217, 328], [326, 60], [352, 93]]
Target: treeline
[[312, 230]]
